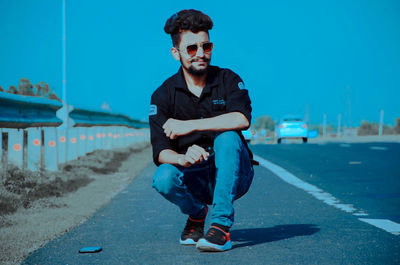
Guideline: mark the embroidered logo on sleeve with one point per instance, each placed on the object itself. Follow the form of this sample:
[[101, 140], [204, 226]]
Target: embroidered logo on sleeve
[[153, 110], [241, 85]]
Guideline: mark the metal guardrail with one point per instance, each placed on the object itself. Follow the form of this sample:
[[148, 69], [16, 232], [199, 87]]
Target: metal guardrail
[[20, 112], [89, 118], [46, 148], [17, 111]]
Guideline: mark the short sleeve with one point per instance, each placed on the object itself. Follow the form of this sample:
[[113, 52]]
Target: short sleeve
[[238, 96], [158, 115]]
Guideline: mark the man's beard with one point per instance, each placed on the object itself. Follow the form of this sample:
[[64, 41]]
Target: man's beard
[[198, 72]]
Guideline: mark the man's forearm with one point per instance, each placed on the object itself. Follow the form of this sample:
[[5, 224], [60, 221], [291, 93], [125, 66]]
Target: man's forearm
[[225, 122], [168, 156]]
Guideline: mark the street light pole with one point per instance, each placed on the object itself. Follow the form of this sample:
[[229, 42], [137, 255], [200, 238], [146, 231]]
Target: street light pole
[[64, 71], [381, 123], [65, 112]]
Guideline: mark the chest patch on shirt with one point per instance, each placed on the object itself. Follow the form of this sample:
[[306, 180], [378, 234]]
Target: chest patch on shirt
[[218, 102], [153, 110], [241, 85]]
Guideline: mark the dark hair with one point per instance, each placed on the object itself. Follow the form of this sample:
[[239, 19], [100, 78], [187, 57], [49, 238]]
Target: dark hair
[[187, 19]]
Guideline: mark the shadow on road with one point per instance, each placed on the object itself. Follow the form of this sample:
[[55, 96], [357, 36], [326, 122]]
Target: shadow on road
[[255, 236]]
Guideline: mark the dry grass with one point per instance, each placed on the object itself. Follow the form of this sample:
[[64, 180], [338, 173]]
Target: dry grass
[[21, 188]]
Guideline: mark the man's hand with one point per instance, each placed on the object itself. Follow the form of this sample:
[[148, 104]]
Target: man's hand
[[174, 128], [194, 155]]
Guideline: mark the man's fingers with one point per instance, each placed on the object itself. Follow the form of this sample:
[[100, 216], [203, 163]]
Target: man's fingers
[[195, 151], [189, 159], [194, 156], [168, 132], [200, 149], [165, 125]]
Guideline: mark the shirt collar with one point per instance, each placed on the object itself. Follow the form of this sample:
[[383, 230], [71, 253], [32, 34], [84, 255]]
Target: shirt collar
[[212, 79]]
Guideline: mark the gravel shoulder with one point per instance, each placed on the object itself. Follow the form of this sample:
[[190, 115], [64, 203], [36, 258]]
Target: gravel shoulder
[[28, 229]]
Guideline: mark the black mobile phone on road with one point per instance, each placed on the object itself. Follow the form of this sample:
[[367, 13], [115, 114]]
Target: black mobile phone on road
[[90, 250]]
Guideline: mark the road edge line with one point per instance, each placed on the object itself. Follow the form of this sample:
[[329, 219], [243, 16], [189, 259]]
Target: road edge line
[[384, 224]]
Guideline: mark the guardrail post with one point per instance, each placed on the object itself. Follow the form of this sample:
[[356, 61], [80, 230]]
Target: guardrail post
[[72, 144], [62, 143], [81, 140], [25, 150], [15, 146], [109, 139], [4, 154], [42, 154], [50, 149], [91, 139], [33, 145]]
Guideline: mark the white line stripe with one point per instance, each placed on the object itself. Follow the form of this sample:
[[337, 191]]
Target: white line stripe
[[384, 224], [382, 148], [288, 177], [311, 189]]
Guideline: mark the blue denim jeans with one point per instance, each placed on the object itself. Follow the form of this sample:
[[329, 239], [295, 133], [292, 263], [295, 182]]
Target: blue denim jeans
[[223, 178]]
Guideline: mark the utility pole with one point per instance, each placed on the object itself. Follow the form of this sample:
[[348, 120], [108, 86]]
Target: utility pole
[[324, 126], [64, 71], [307, 114], [65, 113], [381, 123], [338, 133], [348, 101]]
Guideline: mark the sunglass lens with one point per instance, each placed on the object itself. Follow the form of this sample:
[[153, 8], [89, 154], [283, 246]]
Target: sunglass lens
[[191, 49], [207, 47]]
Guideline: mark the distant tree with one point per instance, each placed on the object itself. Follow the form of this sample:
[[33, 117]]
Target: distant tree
[[318, 127], [396, 128], [315, 127], [53, 96], [12, 90], [1, 89], [42, 89], [264, 122], [368, 128], [25, 87], [372, 128]]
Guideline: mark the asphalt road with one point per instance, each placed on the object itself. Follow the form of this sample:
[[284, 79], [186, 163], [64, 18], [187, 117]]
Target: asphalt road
[[276, 223], [366, 175]]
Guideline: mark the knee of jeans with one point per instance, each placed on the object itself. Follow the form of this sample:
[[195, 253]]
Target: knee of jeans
[[227, 140], [165, 178]]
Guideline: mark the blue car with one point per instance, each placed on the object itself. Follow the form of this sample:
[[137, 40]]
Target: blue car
[[292, 127]]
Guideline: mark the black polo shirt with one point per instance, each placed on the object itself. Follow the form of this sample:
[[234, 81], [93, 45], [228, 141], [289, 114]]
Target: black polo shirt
[[224, 93]]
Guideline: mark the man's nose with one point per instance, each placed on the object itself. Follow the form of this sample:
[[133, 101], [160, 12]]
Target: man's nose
[[200, 52]]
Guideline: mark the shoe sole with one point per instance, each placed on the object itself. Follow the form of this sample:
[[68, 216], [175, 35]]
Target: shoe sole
[[204, 245], [187, 242]]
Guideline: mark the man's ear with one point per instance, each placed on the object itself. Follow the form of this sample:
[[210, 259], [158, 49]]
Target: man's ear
[[175, 53]]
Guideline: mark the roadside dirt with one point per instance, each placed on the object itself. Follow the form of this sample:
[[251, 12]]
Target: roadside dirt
[[37, 208]]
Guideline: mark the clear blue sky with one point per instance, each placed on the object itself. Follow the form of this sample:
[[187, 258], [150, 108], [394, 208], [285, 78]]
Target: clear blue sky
[[325, 56]]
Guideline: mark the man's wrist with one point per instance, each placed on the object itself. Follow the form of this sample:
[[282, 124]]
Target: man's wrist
[[193, 125]]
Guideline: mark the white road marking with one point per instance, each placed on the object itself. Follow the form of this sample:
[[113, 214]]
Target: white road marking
[[345, 145], [355, 162], [384, 224], [326, 197], [381, 148]]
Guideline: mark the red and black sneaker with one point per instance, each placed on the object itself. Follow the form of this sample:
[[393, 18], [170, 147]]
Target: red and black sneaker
[[193, 230], [216, 239]]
